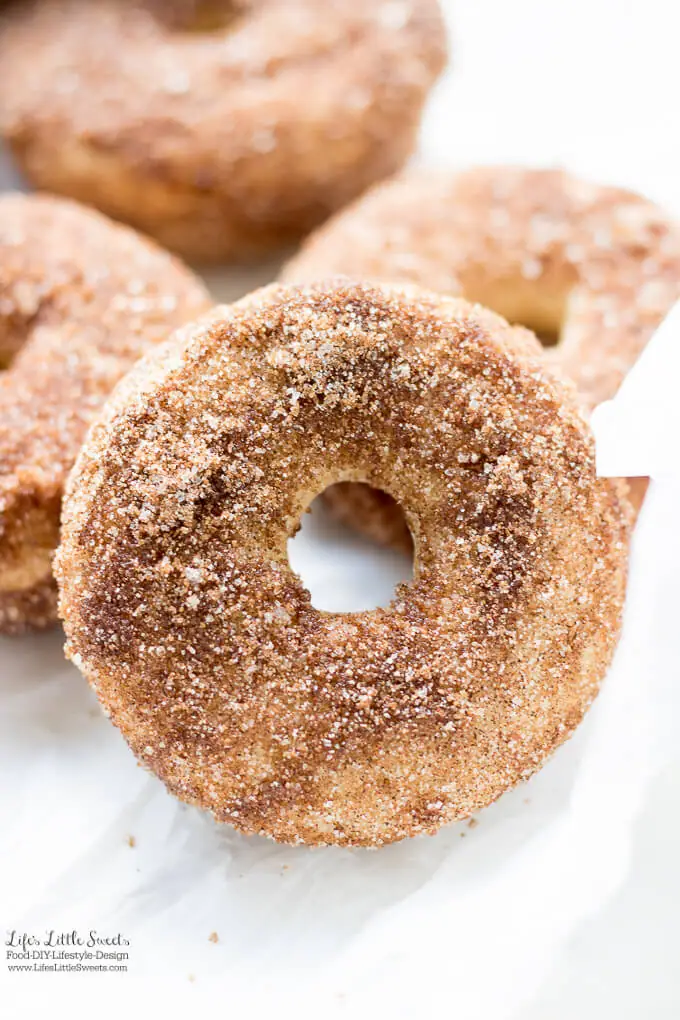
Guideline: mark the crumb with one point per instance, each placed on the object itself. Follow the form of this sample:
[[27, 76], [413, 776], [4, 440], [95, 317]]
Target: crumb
[[192, 978], [213, 937], [472, 823], [131, 841]]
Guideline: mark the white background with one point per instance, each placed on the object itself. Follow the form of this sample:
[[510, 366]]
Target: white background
[[594, 85]]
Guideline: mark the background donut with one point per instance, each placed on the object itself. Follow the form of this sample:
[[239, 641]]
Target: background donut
[[80, 299], [223, 129], [182, 610], [591, 269]]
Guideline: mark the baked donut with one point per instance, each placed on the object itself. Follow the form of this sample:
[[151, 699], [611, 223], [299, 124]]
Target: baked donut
[[225, 128], [591, 269], [359, 729], [80, 299]]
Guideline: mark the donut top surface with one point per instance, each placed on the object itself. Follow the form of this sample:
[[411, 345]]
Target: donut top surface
[[182, 610], [595, 267], [81, 298]]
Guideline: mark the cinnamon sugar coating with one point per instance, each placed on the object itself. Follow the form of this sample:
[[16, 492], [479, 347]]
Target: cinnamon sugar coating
[[80, 299], [224, 129], [596, 266], [358, 729]]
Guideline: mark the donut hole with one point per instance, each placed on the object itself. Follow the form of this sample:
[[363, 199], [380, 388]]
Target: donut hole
[[343, 571], [200, 17], [546, 338], [12, 340], [536, 306]]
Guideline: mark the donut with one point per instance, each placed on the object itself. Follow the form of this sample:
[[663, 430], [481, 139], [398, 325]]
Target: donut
[[356, 729], [224, 129], [80, 299], [591, 269]]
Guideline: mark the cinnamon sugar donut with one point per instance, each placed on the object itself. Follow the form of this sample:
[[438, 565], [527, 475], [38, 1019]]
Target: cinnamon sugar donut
[[80, 299], [224, 128], [595, 268], [202, 644]]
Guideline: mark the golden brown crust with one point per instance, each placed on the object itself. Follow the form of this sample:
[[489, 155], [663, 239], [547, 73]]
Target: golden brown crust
[[80, 299], [599, 266], [224, 143], [202, 644]]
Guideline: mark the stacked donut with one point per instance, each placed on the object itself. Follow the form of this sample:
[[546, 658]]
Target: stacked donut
[[186, 443], [80, 300], [221, 128]]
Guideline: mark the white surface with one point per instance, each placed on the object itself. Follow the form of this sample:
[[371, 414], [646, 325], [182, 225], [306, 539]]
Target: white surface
[[560, 903]]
